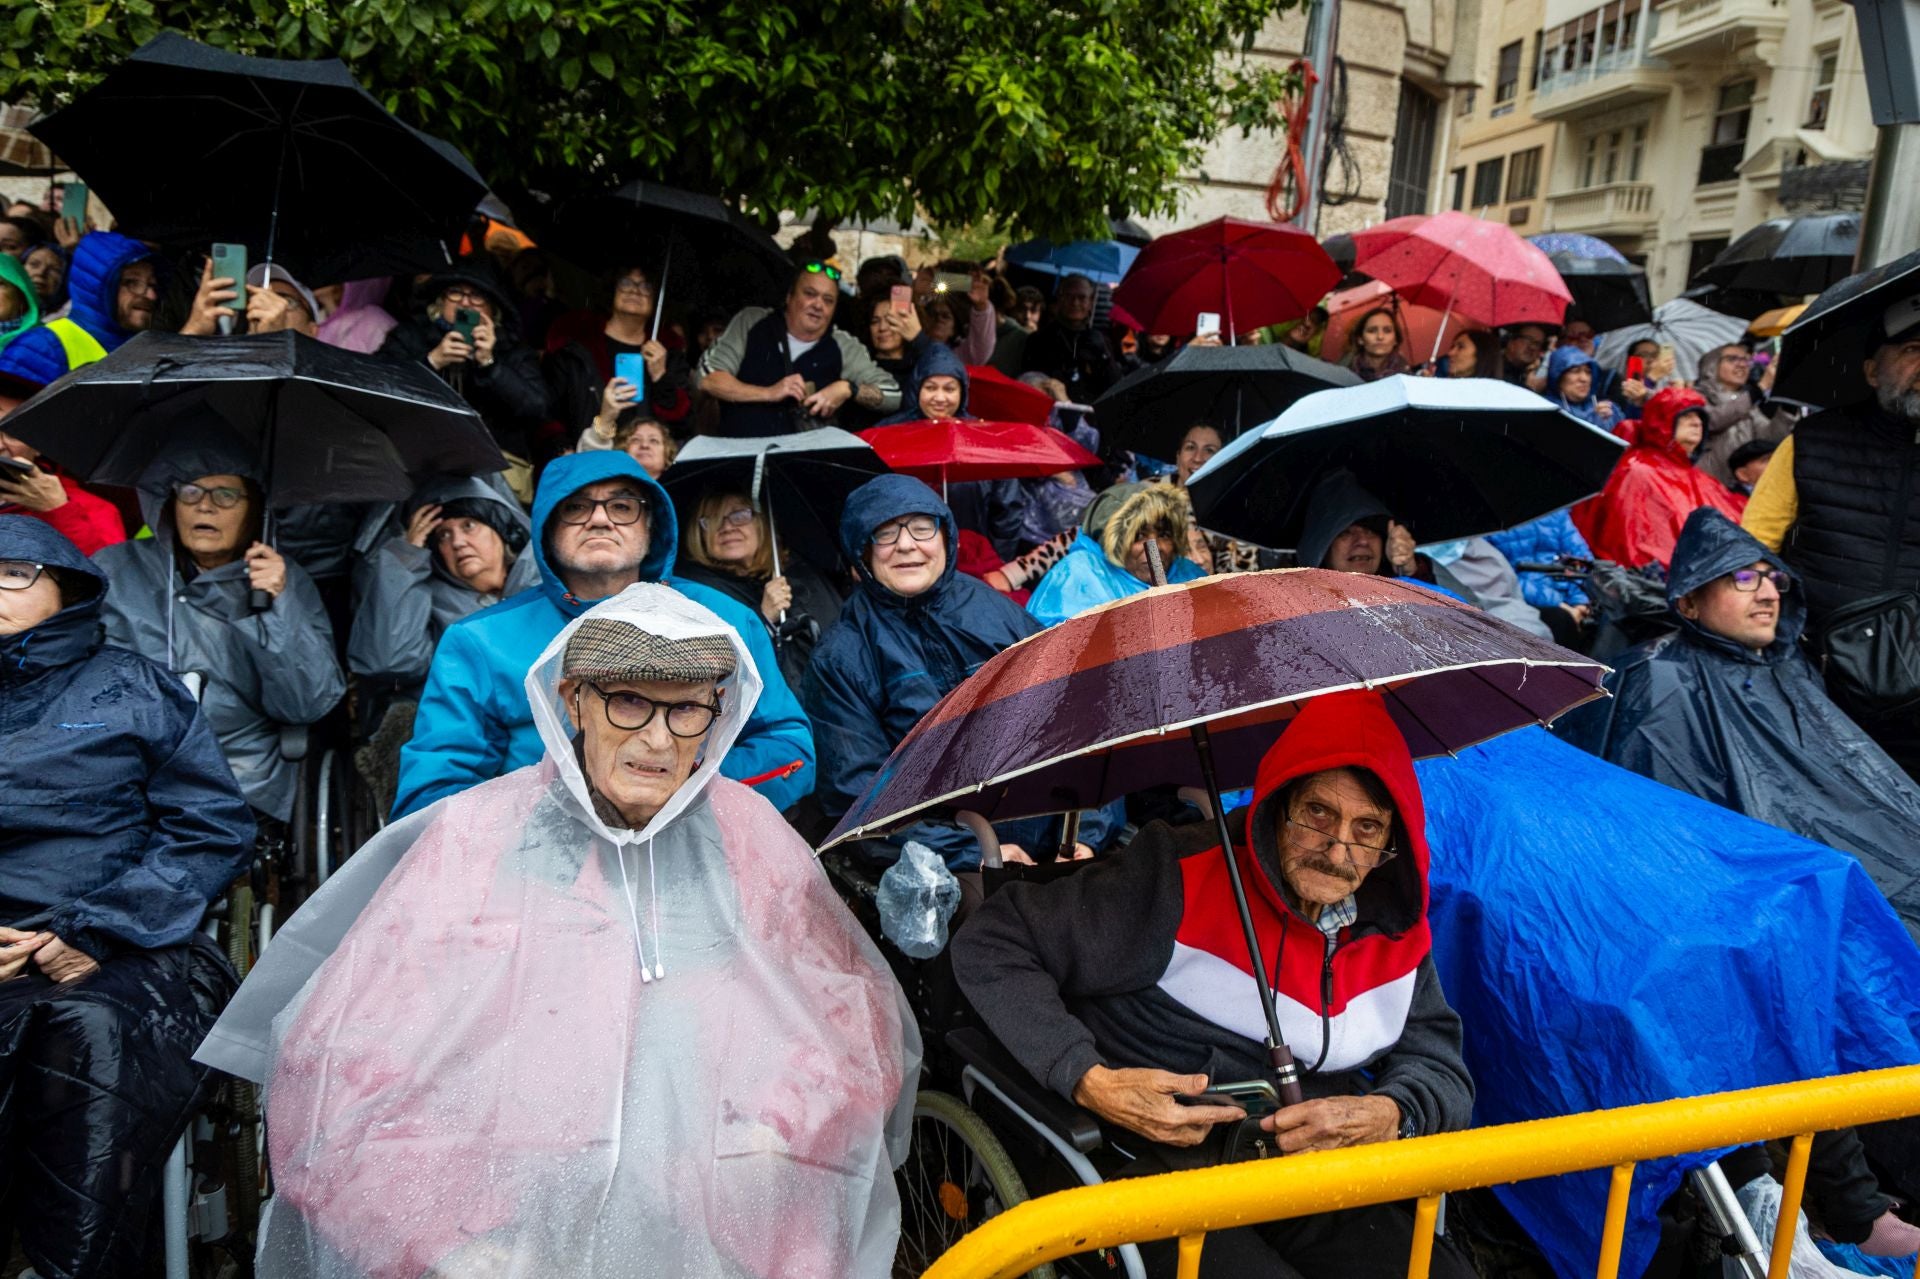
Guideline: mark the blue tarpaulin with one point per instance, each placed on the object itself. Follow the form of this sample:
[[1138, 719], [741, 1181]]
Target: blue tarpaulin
[[1608, 941]]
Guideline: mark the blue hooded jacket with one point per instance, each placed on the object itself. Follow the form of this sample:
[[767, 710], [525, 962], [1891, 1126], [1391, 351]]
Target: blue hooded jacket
[[119, 818], [1538, 541], [1572, 357], [474, 722], [995, 509], [93, 284], [890, 658]]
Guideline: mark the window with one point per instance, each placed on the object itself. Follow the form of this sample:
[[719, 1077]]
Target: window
[[1637, 153], [1727, 142], [1459, 179], [1702, 252], [1823, 77], [1410, 177], [1602, 165], [1486, 182], [1523, 174], [1506, 86]]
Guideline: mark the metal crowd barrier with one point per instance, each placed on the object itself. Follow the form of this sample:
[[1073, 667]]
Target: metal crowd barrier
[[1187, 1205]]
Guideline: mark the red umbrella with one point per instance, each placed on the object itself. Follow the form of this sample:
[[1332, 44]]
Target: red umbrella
[[1251, 274], [993, 395], [1469, 266], [956, 451], [1422, 327]]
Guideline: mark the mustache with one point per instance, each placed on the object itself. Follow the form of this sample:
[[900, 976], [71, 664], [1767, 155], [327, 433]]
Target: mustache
[[1345, 874]]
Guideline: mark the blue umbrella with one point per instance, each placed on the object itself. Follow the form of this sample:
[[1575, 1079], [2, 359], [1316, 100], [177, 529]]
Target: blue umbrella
[[1574, 245], [1102, 261]]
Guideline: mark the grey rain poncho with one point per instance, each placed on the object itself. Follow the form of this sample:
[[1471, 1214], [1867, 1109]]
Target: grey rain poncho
[[508, 1039]]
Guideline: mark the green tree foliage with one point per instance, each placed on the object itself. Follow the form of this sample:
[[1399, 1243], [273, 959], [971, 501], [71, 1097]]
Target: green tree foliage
[[1041, 114]]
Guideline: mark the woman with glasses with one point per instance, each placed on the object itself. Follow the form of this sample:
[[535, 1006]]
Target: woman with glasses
[[1734, 407], [727, 548], [626, 326], [206, 597]]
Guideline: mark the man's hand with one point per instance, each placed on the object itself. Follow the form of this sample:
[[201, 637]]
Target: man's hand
[[453, 349], [1605, 411], [655, 356], [790, 387], [1327, 1123], [826, 401], [266, 570], [1578, 612], [1401, 556], [17, 946], [483, 337], [421, 523], [267, 311], [210, 302], [62, 962], [35, 490], [1142, 1101]]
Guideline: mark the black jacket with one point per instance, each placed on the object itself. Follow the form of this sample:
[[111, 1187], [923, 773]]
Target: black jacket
[[1080, 358], [1856, 471]]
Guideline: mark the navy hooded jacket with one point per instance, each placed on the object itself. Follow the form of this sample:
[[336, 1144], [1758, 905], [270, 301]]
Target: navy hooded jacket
[[93, 283], [1755, 731], [995, 509], [119, 818]]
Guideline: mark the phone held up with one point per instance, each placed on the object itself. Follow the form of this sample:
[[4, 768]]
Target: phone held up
[[902, 298], [1206, 324], [465, 320], [633, 368], [230, 263], [73, 203]]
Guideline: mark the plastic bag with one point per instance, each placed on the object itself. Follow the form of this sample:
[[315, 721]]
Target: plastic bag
[[1760, 1199], [917, 896]]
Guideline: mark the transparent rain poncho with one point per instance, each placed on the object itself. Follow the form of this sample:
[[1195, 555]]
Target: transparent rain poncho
[[546, 1047]]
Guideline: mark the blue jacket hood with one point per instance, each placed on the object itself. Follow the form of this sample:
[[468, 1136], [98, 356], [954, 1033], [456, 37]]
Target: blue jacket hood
[[566, 476], [93, 282], [1571, 357], [72, 633], [888, 497], [1711, 545], [938, 360]]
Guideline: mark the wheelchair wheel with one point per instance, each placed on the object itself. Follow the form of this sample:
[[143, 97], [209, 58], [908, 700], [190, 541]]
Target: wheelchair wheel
[[957, 1175]]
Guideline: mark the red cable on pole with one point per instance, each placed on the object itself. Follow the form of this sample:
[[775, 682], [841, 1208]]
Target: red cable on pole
[[1291, 173]]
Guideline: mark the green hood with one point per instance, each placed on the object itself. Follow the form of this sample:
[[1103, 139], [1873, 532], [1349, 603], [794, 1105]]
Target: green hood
[[11, 272]]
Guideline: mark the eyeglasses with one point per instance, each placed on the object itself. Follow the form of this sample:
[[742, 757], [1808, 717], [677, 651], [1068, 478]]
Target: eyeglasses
[[18, 575], [920, 528], [1311, 839], [224, 496], [465, 297], [1734, 358], [622, 508], [821, 268], [632, 712], [739, 517], [1748, 579], [634, 286]]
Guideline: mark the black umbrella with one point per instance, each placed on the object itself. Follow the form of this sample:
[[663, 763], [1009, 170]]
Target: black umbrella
[[329, 425], [1792, 256], [1231, 388], [1821, 354], [1608, 291], [802, 481], [1127, 231], [1450, 457], [190, 145], [696, 245]]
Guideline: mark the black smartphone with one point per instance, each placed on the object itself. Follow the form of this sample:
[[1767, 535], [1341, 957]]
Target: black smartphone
[[18, 466], [1255, 1096]]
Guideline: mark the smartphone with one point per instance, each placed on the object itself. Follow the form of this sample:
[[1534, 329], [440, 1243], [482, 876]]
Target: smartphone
[[18, 466], [634, 369], [952, 282], [230, 263], [1206, 324], [73, 203], [1255, 1096], [1636, 367], [902, 298], [465, 320]]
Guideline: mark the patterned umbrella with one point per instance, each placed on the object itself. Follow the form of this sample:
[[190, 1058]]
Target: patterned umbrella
[[1575, 245]]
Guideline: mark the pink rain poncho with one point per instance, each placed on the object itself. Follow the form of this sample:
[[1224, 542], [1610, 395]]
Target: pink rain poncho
[[546, 1047]]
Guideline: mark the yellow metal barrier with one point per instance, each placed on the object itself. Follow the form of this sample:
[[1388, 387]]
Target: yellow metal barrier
[[1186, 1205]]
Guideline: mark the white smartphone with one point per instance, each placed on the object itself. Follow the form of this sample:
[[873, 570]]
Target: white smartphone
[[1206, 324]]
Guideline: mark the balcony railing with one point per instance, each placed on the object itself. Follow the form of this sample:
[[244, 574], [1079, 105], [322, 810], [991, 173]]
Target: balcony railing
[[1689, 22], [1624, 207], [1721, 162]]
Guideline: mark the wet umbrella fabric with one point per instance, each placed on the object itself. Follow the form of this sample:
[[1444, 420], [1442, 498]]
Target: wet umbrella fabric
[[954, 452], [998, 398], [1788, 255], [1423, 329], [804, 480], [190, 145], [1450, 457], [1609, 291], [332, 425], [1464, 265], [1251, 274], [1228, 387], [1821, 355], [1104, 704], [1689, 328], [1102, 261]]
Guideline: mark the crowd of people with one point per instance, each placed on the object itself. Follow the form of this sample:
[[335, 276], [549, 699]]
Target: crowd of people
[[582, 702]]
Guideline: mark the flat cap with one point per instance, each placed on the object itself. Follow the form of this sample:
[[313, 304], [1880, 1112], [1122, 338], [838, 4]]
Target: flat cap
[[605, 649]]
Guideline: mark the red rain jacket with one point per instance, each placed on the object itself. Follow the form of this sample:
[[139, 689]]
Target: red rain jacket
[[1637, 518]]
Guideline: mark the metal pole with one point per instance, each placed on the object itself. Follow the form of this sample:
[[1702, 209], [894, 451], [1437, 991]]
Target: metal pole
[[1323, 32], [660, 294], [1889, 228]]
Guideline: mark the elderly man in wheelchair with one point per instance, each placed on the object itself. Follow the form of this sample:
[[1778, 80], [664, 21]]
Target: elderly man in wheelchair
[[1126, 987], [120, 823]]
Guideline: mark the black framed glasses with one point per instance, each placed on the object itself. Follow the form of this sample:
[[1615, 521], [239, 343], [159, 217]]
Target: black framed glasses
[[18, 575], [1748, 579], [920, 528], [631, 712], [631, 284], [739, 517], [621, 508], [224, 496], [821, 268], [1311, 839]]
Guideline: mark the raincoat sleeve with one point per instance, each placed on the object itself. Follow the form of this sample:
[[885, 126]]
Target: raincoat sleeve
[[775, 751], [200, 837], [392, 633], [87, 521], [459, 737], [1775, 503], [300, 679], [1031, 947]]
